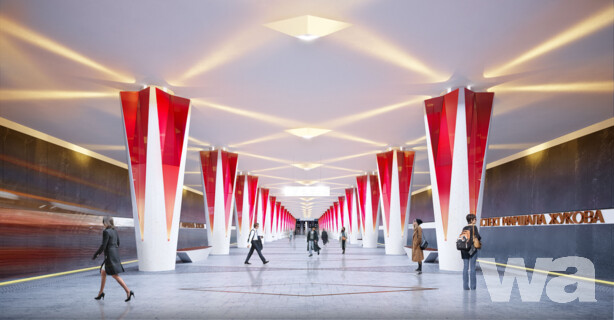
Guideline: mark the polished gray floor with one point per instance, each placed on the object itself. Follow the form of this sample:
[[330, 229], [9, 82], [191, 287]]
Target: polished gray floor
[[362, 284]]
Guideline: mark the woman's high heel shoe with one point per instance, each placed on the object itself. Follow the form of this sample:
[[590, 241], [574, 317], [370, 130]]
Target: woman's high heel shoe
[[100, 296], [130, 296]]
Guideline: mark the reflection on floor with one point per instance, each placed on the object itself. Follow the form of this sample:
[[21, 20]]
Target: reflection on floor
[[362, 284]]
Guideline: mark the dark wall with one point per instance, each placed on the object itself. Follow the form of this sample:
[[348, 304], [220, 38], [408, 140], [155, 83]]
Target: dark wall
[[421, 207], [51, 221], [576, 175], [40, 169]]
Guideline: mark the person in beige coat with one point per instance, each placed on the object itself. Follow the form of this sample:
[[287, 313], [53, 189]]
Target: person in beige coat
[[416, 251]]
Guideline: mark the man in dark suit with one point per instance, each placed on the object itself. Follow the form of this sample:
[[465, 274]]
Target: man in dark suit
[[254, 242], [312, 241]]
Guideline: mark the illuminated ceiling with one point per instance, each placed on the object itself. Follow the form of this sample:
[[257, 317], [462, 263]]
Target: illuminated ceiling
[[307, 112]]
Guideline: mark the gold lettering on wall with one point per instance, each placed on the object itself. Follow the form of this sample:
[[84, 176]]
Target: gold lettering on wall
[[558, 218]]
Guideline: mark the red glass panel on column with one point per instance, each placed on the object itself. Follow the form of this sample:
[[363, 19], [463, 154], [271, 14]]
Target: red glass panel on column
[[478, 109], [341, 211], [361, 223], [135, 107], [384, 165], [441, 118], [336, 211], [208, 161], [264, 198], [280, 219], [349, 194], [229, 167], [272, 212], [334, 217], [239, 199], [277, 211], [252, 197], [172, 119], [361, 189], [405, 160], [374, 198]]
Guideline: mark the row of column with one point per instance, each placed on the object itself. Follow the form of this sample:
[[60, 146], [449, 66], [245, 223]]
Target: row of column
[[457, 126], [156, 126]]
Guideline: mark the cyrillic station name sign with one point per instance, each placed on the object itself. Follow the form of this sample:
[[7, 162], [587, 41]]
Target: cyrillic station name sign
[[599, 216]]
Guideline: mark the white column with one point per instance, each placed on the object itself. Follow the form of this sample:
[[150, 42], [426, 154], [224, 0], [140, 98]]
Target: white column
[[459, 201], [355, 226], [369, 239], [268, 235], [243, 232], [156, 241], [395, 230], [220, 235], [346, 218]]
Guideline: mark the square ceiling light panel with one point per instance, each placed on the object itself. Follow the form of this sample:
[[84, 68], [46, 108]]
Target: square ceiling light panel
[[307, 27], [317, 191], [307, 133], [306, 166]]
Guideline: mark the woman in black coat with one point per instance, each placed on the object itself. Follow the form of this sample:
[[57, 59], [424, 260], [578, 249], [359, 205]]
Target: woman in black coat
[[324, 237], [112, 264]]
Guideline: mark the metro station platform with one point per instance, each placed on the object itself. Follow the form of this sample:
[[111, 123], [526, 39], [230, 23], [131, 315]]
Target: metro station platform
[[362, 284]]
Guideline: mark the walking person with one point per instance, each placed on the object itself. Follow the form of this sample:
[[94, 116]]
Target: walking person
[[416, 251], [255, 243], [344, 237], [112, 264], [324, 237], [290, 235], [470, 256], [312, 241]]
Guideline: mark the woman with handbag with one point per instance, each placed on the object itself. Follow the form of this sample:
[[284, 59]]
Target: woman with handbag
[[344, 237], [470, 256], [112, 264], [416, 250]]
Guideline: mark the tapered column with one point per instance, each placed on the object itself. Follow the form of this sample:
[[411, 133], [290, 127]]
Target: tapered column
[[219, 169], [457, 126], [263, 207], [156, 126], [268, 223], [361, 199], [371, 208], [350, 200], [337, 218], [276, 220], [395, 170], [242, 211], [278, 223], [252, 198]]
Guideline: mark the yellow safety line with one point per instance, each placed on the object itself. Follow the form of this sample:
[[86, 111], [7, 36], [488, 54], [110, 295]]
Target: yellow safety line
[[548, 272], [55, 274]]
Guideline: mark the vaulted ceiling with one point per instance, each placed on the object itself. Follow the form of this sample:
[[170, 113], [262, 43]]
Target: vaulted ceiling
[[550, 64]]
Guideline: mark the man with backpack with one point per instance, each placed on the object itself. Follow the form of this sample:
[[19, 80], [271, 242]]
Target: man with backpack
[[468, 243]]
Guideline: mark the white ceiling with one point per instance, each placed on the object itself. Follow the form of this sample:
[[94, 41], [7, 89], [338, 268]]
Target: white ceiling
[[249, 82]]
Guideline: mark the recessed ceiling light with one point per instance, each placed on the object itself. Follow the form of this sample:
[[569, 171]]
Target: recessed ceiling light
[[308, 37], [307, 133], [307, 27], [316, 191], [306, 166], [306, 182]]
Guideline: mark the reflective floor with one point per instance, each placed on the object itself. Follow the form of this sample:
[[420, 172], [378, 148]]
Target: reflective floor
[[362, 284]]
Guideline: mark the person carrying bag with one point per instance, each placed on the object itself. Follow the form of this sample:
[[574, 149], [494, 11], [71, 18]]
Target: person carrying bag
[[468, 244], [255, 243]]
